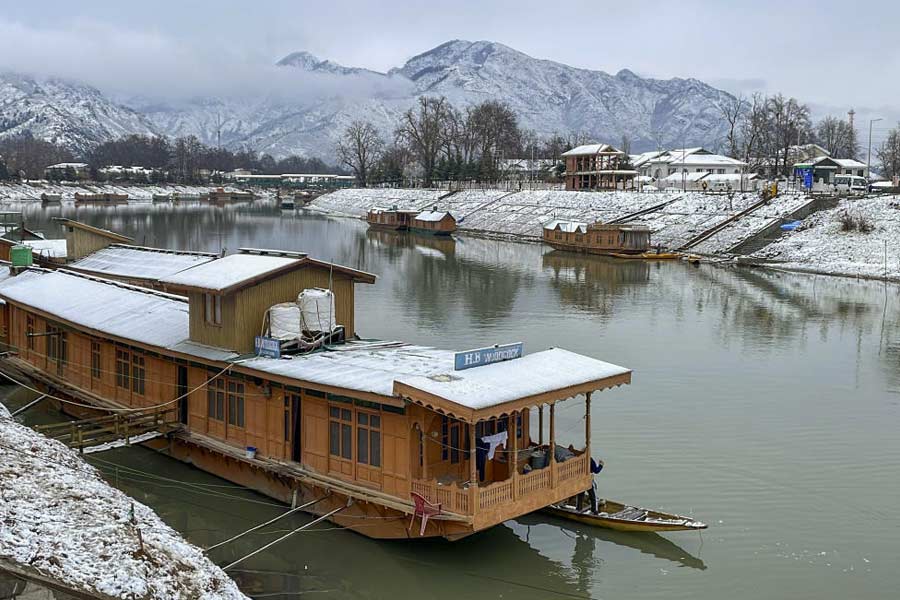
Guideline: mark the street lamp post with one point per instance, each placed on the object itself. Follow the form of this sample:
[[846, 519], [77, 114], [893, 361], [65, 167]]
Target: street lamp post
[[869, 151]]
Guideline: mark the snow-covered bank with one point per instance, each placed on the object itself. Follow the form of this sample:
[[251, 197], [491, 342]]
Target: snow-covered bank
[[31, 191], [58, 517], [522, 214], [821, 245]]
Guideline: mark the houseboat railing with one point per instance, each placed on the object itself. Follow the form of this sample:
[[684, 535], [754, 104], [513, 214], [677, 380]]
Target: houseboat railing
[[451, 497], [454, 498], [575, 467]]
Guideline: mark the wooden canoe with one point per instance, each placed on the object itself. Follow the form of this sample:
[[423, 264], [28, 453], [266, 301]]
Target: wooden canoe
[[622, 517], [647, 255]]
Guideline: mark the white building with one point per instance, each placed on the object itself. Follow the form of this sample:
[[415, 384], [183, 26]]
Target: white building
[[659, 165]]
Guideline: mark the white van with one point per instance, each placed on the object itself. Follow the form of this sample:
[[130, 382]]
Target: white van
[[850, 184]]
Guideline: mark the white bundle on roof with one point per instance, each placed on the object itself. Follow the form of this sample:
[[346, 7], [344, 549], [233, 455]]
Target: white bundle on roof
[[284, 321], [316, 310]]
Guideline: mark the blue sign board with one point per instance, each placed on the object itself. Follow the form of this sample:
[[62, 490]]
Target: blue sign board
[[266, 346], [807, 174], [486, 356]]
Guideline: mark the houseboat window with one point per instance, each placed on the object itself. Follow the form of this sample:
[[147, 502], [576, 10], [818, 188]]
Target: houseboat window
[[341, 432], [52, 343], [215, 399], [123, 364], [138, 372], [236, 403], [449, 439], [518, 425], [213, 309], [368, 439], [29, 331], [95, 360]]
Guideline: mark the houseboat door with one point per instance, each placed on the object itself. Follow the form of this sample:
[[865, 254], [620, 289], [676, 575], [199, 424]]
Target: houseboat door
[[181, 394]]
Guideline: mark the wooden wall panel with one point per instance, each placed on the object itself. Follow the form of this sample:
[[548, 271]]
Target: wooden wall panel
[[395, 454], [315, 433]]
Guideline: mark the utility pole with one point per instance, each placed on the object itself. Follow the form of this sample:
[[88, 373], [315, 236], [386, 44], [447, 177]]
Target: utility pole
[[851, 114], [869, 151]]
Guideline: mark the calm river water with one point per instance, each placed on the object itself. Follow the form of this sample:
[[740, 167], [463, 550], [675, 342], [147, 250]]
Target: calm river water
[[763, 403]]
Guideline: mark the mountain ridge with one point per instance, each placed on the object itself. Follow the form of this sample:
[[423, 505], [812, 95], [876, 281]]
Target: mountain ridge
[[549, 97]]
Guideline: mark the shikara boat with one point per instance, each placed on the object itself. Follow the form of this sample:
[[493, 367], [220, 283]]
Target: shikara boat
[[648, 255], [622, 517]]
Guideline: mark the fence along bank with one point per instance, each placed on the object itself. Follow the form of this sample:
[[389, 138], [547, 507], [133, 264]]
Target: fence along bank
[[359, 426]]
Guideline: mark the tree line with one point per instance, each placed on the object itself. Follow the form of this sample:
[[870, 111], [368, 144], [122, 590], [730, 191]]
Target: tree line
[[442, 142], [182, 160], [762, 129]]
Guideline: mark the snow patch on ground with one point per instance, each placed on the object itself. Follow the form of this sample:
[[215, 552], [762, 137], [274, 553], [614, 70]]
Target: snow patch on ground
[[58, 516], [820, 245], [31, 191]]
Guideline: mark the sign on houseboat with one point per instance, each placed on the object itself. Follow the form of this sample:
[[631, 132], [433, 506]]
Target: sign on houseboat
[[486, 356], [266, 346]]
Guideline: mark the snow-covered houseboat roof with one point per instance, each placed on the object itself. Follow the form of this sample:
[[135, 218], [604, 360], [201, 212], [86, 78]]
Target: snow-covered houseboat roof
[[248, 267], [391, 372], [137, 262], [566, 226], [432, 216]]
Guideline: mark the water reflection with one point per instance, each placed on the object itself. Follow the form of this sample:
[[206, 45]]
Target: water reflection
[[587, 552], [590, 282]]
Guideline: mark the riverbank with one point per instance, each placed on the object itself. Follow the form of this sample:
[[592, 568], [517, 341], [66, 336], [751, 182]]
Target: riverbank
[[60, 521], [31, 191], [677, 220], [858, 238]]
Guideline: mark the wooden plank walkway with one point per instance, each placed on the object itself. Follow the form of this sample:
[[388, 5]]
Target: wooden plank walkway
[[95, 431]]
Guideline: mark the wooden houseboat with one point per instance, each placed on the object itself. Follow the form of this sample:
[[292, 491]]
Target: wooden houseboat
[[599, 238], [434, 222], [103, 198], [384, 438], [390, 218], [50, 199], [223, 196]]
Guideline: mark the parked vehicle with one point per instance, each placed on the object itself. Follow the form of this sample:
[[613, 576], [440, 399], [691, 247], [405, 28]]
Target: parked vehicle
[[850, 184]]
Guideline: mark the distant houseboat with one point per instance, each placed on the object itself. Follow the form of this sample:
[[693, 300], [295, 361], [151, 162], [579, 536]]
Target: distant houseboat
[[390, 218], [598, 238], [388, 439], [50, 199], [103, 198], [434, 222], [223, 196]]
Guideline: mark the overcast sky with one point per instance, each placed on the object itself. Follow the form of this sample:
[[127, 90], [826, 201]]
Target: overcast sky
[[832, 54]]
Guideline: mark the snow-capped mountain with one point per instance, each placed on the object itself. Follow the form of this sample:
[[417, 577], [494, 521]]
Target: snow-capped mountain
[[69, 113], [549, 98]]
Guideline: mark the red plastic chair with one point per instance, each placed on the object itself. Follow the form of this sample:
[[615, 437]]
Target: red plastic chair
[[424, 509]]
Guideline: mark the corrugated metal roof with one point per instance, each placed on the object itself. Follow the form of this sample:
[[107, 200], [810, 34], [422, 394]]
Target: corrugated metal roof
[[139, 263]]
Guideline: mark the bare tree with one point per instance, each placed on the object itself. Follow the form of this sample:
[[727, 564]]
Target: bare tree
[[889, 154], [626, 145], [423, 129], [359, 148], [733, 111]]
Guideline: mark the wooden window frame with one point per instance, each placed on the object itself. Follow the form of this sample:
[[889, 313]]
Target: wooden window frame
[[341, 418], [215, 398], [368, 425], [138, 373], [212, 309], [235, 404], [96, 359], [123, 368]]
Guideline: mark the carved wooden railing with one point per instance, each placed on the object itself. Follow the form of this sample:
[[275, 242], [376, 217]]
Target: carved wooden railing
[[495, 494], [533, 482], [451, 497], [577, 466]]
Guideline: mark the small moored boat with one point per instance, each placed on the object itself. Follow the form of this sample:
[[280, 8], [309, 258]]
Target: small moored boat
[[622, 517]]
